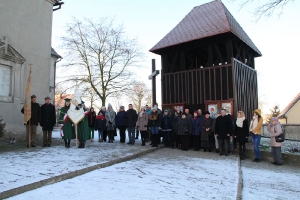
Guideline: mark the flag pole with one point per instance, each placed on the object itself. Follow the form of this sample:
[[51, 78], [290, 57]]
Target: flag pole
[[76, 135]]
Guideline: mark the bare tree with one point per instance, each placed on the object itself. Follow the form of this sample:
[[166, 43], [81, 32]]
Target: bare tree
[[266, 8], [139, 94], [100, 55]]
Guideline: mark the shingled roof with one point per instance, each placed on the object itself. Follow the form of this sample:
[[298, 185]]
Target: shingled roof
[[204, 21], [288, 108]]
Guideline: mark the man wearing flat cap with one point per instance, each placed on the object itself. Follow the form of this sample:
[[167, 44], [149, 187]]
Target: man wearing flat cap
[[33, 122], [48, 120]]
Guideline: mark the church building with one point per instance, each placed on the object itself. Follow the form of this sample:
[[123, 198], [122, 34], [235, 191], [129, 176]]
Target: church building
[[25, 39]]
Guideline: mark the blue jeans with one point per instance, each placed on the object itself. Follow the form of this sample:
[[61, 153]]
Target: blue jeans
[[100, 134], [256, 141], [131, 134], [154, 129]]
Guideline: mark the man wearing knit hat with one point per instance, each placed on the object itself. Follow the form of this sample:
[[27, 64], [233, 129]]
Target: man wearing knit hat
[[48, 120], [33, 122]]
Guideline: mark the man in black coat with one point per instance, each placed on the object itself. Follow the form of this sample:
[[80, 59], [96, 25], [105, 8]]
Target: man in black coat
[[33, 122], [48, 120], [223, 131], [130, 123]]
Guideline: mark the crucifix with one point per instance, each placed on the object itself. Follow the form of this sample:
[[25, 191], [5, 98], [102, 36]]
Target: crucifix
[[5, 45], [153, 78]]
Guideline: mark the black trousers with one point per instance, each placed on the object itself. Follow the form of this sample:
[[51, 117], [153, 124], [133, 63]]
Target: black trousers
[[155, 139], [104, 135], [185, 142], [143, 135], [122, 129], [226, 145], [111, 135], [196, 141], [242, 147]]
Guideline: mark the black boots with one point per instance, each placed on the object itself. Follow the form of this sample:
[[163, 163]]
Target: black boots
[[81, 144]]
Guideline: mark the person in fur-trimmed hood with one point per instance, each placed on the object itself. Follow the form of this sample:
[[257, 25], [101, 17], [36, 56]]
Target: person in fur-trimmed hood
[[154, 122], [275, 130]]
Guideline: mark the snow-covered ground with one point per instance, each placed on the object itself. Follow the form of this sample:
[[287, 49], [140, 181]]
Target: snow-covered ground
[[266, 181], [30, 165], [163, 174]]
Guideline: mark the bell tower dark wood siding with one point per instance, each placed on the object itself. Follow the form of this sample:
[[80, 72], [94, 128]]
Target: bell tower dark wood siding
[[208, 57]]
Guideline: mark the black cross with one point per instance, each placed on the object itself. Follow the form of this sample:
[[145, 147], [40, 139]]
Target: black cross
[[153, 78]]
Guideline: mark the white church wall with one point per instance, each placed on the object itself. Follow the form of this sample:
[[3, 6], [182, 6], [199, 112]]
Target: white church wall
[[27, 26]]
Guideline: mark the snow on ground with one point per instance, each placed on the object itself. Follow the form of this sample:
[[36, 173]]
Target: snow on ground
[[163, 174], [29, 165], [266, 181]]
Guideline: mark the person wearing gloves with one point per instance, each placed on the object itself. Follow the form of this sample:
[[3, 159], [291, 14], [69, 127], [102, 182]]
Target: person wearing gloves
[[255, 129], [141, 124], [110, 116], [275, 130]]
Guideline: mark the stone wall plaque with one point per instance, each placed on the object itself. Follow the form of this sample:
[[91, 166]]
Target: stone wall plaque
[[5, 80]]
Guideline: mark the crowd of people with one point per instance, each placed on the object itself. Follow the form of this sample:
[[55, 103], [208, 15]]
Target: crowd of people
[[174, 129]]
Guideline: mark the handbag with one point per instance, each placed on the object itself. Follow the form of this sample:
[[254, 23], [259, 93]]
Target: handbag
[[280, 138], [110, 127]]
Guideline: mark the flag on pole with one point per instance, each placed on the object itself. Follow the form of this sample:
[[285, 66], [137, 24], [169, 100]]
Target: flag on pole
[[27, 105]]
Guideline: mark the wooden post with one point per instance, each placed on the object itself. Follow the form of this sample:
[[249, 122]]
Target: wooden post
[[76, 135], [29, 134]]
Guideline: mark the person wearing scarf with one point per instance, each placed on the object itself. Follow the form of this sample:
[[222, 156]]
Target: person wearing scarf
[[141, 124], [110, 116], [241, 133], [255, 129]]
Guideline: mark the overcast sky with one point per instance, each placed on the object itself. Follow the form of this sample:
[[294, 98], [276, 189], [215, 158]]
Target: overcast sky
[[276, 37]]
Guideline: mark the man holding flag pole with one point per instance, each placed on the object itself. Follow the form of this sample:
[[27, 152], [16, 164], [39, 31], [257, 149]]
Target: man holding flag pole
[[32, 114]]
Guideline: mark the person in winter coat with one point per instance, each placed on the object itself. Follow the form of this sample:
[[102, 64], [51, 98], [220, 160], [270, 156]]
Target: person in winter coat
[[33, 122], [91, 119], [154, 122], [103, 110], [166, 128], [175, 117], [110, 116], [223, 131], [100, 125], [275, 130], [206, 133], [184, 129], [130, 121], [241, 133], [141, 124], [196, 121], [67, 128], [213, 130], [255, 129], [120, 122], [48, 121]]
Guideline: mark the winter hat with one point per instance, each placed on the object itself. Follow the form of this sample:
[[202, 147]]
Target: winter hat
[[154, 108], [166, 110], [103, 107], [109, 105], [143, 107], [275, 119], [206, 113], [122, 107]]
